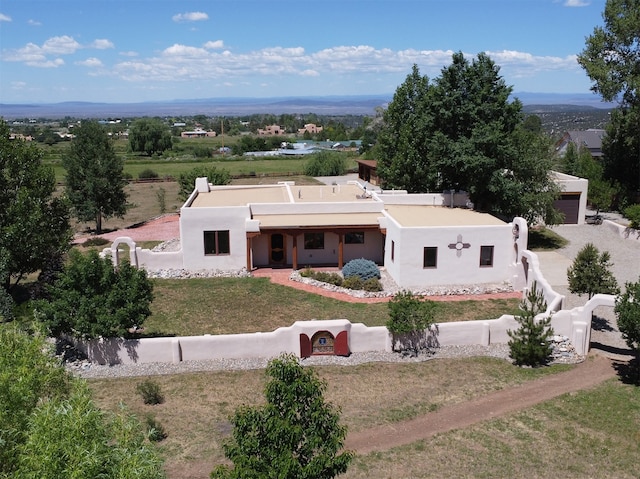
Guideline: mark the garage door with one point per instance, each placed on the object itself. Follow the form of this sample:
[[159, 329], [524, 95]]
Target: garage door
[[569, 206]]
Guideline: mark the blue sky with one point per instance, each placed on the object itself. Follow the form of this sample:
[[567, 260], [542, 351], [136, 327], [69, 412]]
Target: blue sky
[[149, 50]]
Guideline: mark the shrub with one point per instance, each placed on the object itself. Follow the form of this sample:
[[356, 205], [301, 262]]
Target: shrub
[[97, 241], [155, 430], [326, 277], [372, 285], [353, 282], [307, 273], [632, 213], [147, 174], [363, 268], [150, 392], [410, 321], [325, 163]]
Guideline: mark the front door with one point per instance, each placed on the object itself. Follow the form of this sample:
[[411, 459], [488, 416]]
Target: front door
[[277, 253]]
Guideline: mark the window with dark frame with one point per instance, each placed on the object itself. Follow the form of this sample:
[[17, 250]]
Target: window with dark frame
[[216, 243], [393, 250], [314, 241], [354, 237], [430, 258], [486, 255]]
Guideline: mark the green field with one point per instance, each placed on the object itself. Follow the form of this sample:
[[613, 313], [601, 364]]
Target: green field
[[172, 163]]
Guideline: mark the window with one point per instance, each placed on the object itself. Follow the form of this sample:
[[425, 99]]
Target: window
[[216, 242], [486, 255], [430, 259], [355, 237], [393, 250], [314, 241]]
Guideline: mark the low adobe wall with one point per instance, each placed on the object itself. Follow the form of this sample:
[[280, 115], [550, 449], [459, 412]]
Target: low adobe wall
[[575, 324]]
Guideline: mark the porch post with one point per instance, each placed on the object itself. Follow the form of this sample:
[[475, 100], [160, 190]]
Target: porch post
[[249, 244], [294, 252]]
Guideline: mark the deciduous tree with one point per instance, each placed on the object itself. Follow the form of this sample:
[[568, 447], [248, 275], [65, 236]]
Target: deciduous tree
[[34, 223], [610, 59], [51, 428], [149, 136], [187, 179], [91, 299], [95, 176], [295, 435], [410, 321], [590, 273], [462, 132]]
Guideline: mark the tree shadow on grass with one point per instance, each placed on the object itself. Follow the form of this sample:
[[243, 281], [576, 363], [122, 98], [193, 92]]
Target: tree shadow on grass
[[545, 239], [629, 371]]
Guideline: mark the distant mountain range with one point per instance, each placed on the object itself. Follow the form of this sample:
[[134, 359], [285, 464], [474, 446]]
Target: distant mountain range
[[326, 105]]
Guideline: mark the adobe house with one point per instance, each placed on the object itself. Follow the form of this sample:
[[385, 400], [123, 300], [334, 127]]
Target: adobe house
[[421, 239]]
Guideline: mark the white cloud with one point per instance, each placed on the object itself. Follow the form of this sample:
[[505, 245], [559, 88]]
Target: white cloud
[[63, 45], [92, 62], [190, 17], [214, 45], [576, 3], [129, 53], [46, 63], [182, 63], [102, 44], [4, 18], [34, 23], [18, 85]]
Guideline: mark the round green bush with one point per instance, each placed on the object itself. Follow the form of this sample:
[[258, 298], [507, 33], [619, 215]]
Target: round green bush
[[363, 268]]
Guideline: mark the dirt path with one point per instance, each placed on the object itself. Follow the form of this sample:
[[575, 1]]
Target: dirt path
[[590, 373]]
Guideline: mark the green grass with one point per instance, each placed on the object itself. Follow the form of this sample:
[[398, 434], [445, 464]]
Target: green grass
[[197, 406], [544, 239], [586, 434], [173, 163], [230, 305]]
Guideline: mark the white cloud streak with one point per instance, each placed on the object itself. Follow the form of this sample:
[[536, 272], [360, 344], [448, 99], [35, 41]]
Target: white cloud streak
[[576, 3], [4, 18], [190, 17], [92, 62]]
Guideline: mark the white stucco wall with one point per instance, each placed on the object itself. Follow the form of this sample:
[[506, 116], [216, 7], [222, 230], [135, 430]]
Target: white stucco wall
[[573, 184], [193, 223], [407, 269]]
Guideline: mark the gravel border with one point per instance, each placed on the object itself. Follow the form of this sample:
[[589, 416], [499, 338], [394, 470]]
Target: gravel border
[[563, 353]]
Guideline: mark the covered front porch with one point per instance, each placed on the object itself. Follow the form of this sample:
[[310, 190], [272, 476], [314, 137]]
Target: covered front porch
[[313, 246]]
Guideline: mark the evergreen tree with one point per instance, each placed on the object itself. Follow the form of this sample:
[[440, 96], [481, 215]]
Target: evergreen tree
[[590, 273], [295, 435], [530, 344], [95, 176]]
